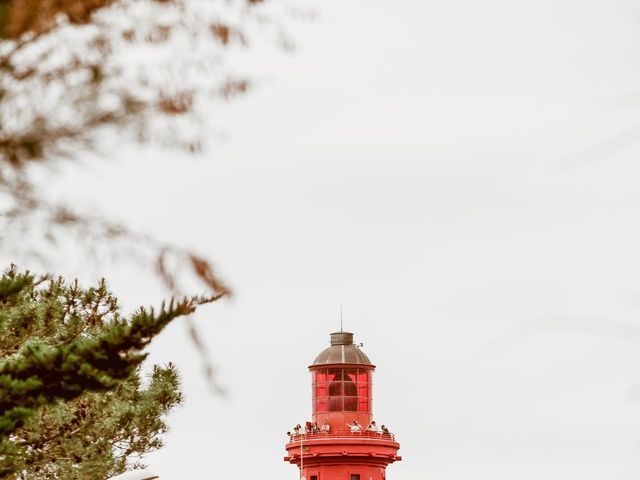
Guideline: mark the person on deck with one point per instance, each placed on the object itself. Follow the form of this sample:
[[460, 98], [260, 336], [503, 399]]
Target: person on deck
[[325, 426], [355, 426]]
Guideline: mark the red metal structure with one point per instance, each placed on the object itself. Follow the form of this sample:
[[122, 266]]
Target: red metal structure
[[331, 447]]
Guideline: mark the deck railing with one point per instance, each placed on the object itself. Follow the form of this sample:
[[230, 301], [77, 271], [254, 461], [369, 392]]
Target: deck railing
[[342, 434]]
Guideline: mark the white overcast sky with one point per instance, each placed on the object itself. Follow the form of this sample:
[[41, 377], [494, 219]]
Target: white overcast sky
[[463, 177]]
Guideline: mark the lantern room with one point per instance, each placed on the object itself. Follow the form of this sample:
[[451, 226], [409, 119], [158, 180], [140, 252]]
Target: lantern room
[[342, 383]]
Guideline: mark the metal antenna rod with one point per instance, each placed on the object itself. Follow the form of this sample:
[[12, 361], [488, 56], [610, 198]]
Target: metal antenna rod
[[340, 317]]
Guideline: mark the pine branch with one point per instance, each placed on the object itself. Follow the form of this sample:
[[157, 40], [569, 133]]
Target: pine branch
[[41, 374]]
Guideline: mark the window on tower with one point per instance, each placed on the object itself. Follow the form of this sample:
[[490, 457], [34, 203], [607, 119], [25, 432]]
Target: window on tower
[[342, 389], [355, 476]]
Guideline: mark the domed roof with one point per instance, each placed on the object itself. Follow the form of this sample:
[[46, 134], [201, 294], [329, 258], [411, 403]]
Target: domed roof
[[342, 350]]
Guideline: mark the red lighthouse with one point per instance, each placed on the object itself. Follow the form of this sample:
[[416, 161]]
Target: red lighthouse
[[342, 441]]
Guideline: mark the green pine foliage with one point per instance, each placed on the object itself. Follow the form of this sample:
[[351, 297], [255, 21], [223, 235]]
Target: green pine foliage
[[74, 403]]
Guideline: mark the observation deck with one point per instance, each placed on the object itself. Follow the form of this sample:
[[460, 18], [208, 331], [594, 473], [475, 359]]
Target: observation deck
[[342, 445]]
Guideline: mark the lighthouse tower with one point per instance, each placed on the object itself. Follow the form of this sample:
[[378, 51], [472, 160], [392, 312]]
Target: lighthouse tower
[[331, 446]]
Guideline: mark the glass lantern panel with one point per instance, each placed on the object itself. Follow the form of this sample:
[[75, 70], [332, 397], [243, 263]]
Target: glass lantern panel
[[320, 376], [363, 390], [349, 389], [321, 390], [363, 375], [335, 404], [350, 374], [363, 405], [321, 405], [336, 389], [350, 404]]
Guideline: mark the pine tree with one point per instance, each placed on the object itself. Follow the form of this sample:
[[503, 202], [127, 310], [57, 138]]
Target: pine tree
[[74, 403]]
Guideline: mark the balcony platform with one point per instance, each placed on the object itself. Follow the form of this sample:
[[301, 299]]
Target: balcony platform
[[343, 444]]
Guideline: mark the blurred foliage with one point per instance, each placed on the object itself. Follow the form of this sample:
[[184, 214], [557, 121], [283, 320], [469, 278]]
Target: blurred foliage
[[73, 402], [80, 76], [36, 16], [71, 85]]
